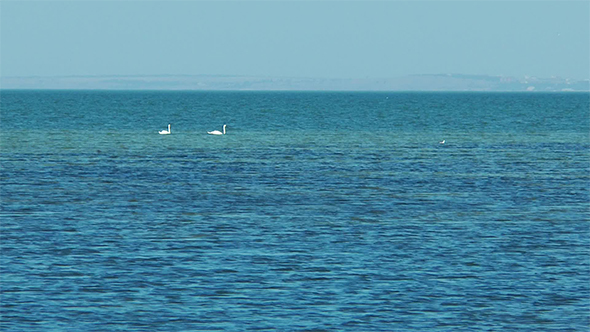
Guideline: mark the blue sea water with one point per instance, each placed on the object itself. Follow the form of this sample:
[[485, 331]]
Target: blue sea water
[[317, 211]]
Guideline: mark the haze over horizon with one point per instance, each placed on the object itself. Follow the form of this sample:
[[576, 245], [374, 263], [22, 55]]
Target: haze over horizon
[[321, 39]]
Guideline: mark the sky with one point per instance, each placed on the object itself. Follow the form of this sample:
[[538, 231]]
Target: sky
[[312, 39]]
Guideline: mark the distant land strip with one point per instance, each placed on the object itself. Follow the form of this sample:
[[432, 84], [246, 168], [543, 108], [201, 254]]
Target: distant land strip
[[435, 82]]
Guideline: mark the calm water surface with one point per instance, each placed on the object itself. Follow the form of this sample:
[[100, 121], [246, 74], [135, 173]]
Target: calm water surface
[[317, 211]]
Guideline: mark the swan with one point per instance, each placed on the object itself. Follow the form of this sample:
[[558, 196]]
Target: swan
[[165, 132], [217, 132], [442, 142]]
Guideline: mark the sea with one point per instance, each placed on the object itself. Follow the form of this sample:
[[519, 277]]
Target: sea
[[316, 211]]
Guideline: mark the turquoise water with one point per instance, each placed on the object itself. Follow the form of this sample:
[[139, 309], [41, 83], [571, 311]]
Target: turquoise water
[[317, 211]]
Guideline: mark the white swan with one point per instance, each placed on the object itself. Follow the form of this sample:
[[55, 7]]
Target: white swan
[[442, 142], [165, 132], [217, 132]]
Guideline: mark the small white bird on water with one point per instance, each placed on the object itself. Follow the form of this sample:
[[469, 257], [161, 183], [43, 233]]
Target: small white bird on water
[[165, 132], [217, 132], [442, 142]]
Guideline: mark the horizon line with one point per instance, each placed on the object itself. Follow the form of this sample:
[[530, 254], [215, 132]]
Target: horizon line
[[289, 77], [295, 90]]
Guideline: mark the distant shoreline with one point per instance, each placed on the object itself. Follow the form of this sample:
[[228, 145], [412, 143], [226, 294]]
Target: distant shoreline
[[426, 83], [295, 91]]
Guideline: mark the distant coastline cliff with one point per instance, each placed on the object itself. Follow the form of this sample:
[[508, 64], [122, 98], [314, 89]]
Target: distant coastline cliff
[[438, 82]]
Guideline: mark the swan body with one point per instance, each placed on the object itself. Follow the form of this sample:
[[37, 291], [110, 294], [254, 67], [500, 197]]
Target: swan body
[[217, 132], [165, 132]]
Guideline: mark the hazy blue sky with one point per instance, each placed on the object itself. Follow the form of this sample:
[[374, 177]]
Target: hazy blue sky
[[297, 39]]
